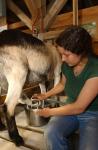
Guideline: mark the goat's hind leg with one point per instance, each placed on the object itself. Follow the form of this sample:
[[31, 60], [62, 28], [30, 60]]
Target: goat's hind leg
[[14, 92], [12, 128]]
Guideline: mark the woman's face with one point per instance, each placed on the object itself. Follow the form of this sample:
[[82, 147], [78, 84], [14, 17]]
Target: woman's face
[[70, 58]]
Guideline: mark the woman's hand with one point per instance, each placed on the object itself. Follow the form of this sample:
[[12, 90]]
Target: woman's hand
[[45, 112], [40, 96]]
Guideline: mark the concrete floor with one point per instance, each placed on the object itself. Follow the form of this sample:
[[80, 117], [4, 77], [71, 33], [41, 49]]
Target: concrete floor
[[33, 136]]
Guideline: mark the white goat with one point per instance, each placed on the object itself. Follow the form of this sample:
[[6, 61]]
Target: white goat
[[23, 58]]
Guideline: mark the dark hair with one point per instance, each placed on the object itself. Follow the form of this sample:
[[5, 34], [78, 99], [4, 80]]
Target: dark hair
[[76, 39]]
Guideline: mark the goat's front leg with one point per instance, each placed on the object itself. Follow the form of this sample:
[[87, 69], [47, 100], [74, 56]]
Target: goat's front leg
[[14, 92]]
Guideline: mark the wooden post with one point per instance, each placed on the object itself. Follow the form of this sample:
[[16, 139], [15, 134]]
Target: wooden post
[[2, 8], [3, 24], [19, 13], [75, 12], [31, 4], [52, 12]]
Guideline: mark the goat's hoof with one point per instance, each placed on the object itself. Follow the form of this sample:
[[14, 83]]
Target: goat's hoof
[[18, 141]]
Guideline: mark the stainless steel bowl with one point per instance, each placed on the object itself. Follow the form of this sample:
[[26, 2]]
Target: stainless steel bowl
[[34, 119]]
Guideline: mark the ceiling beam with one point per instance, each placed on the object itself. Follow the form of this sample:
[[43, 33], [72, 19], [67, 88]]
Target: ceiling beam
[[75, 12], [52, 12], [19, 13], [50, 5], [16, 25], [49, 35], [32, 8], [43, 7], [86, 15], [3, 22]]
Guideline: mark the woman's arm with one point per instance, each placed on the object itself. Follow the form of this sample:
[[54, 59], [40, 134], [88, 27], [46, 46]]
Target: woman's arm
[[86, 96], [58, 88], [55, 90]]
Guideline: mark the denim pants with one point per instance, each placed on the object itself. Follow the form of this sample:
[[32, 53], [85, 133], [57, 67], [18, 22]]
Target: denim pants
[[60, 128]]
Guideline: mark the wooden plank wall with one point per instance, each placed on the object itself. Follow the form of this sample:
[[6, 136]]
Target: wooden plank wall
[[86, 16]]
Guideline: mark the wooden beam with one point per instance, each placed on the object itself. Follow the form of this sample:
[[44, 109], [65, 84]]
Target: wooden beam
[[38, 3], [50, 5], [2, 21], [27, 31], [86, 15], [19, 13], [62, 20], [43, 7], [53, 11], [16, 25], [32, 8], [2, 8], [75, 12], [49, 35]]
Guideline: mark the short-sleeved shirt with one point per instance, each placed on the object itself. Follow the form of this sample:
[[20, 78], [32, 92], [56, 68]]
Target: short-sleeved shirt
[[74, 84]]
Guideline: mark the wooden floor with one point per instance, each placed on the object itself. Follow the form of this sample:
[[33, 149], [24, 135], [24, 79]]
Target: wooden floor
[[33, 136]]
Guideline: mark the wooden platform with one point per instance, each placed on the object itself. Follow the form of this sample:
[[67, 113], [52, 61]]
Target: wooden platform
[[33, 136]]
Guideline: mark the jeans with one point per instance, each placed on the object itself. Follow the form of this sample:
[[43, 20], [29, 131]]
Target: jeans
[[60, 128]]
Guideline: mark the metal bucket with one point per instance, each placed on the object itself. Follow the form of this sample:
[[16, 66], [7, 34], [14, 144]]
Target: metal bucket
[[33, 118]]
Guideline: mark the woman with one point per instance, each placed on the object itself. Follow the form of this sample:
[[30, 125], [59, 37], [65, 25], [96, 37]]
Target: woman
[[80, 82]]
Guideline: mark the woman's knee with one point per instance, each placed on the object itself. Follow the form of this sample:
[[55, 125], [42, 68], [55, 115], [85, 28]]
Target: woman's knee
[[52, 129], [50, 132], [59, 126]]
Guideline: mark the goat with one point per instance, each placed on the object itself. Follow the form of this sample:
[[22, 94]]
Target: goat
[[23, 58]]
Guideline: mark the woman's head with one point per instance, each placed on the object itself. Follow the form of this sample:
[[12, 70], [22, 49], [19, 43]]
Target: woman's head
[[76, 40]]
